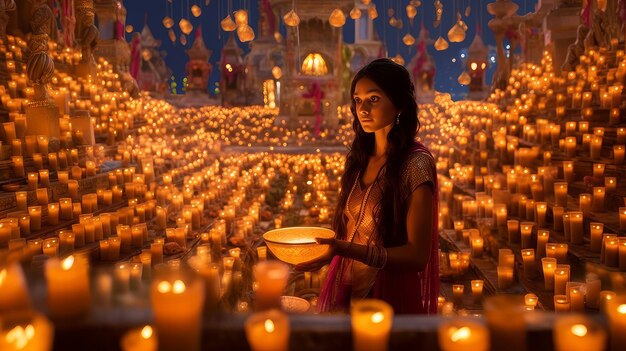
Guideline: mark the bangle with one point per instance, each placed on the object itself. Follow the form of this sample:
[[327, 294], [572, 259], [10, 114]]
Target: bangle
[[376, 256]]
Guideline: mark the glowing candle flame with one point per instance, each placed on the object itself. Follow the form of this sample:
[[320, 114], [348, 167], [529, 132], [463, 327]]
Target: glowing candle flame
[[579, 330], [460, 334], [178, 287], [377, 317], [269, 326], [67, 263], [164, 287], [146, 332]]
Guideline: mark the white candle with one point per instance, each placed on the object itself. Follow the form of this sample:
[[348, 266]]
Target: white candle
[[271, 277], [578, 333], [616, 312], [14, 294], [371, 325], [141, 339], [460, 335], [177, 310], [68, 287], [549, 267], [268, 331]]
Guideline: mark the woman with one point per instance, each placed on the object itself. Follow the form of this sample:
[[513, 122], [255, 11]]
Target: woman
[[386, 217]]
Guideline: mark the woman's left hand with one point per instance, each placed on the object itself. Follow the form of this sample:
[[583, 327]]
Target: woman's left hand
[[316, 264]]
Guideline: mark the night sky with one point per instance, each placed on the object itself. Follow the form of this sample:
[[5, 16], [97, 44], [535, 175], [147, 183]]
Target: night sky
[[449, 62]]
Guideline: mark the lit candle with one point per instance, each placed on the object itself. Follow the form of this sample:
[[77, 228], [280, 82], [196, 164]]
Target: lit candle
[[505, 277], [50, 247], [271, 277], [610, 183], [530, 300], [618, 154], [371, 325], [72, 188], [584, 203], [66, 241], [528, 257], [622, 218], [14, 294], [570, 146], [598, 170], [33, 332], [459, 225], [561, 277], [543, 235], [65, 205], [68, 287], [513, 230], [38, 161], [611, 249], [578, 333], [576, 296], [477, 246], [561, 304], [457, 293], [268, 331], [141, 339], [477, 290], [460, 335], [21, 198], [549, 267], [560, 193], [44, 178], [157, 253], [541, 209], [114, 248], [576, 227], [33, 180], [526, 229], [177, 314], [505, 319], [616, 313]]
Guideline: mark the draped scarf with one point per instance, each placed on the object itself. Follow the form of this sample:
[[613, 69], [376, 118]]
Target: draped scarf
[[408, 292]]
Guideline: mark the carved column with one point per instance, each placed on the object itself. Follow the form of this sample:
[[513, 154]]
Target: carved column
[[42, 114], [87, 35], [501, 9]]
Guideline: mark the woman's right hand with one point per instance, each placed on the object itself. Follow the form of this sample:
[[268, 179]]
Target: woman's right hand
[[316, 264]]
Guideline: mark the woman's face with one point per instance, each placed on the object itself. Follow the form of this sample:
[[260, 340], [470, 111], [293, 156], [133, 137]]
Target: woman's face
[[374, 109]]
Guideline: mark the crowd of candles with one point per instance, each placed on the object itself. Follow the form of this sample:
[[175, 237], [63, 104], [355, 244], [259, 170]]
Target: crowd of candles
[[136, 200]]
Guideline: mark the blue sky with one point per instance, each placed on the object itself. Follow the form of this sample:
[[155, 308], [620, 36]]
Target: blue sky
[[449, 62]]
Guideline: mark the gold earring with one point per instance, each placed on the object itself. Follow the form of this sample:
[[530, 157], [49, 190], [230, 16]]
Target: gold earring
[[398, 118]]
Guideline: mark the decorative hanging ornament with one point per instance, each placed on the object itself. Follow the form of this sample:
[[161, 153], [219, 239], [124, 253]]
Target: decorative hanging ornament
[[408, 39], [400, 23], [228, 25], [185, 26], [277, 72], [241, 17], [291, 19], [168, 22], [468, 11], [456, 34], [393, 21], [172, 35], [390, 12], [196, 10], [366, 2], [464, 78], [278, 37], [245, 33], [463, 25], [355, 13], [411, 12], [416, 3], [441, 44], [372, 13], [129, 28], [183, 39], [337, 18], [398, 59]]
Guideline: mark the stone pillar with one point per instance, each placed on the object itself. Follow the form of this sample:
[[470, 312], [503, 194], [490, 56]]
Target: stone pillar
[[560, 31], [87, 35], [42, 114]]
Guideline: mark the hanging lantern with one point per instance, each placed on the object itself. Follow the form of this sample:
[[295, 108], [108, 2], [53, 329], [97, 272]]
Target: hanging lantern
[[398, 59], [372, 13], [366, 2], [468, 10], [168, 22], [277, 72], [196, 10], [456, 34], [393, 21], [355, 13], [185, 26], [390, 12], [291, 19], [411, 11], [172, 35], [408, 39], [464, 78], [245, 33], [129, 28], [399, 23], [337, 18], [463, 25], [416, 3], [146, 54], [241, 17], [228, 25], [441, 44], [183, 39], [278, 37]]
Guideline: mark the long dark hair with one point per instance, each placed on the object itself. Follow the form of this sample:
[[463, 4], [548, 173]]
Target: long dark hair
[[390, 212]]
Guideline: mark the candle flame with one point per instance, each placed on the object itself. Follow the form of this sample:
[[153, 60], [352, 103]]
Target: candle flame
[[164, 287], [67, 263], [621, 308], [146, 332], [178, 287], [377, 317], [269, 326], [20, 337], [579, 330], [458, 334]]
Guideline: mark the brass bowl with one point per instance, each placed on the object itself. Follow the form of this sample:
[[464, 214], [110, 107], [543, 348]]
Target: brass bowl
[[292, 304], [296, 245]]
